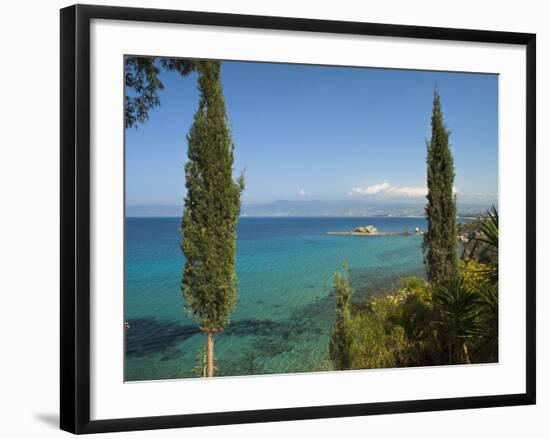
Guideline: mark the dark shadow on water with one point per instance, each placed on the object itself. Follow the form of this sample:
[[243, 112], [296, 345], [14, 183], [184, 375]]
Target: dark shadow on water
[[266, 339], [272, 339], [254, 327], [49, 419], [149, 336]]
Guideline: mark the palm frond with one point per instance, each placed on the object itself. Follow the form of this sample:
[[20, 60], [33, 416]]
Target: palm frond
[[486, 328], [457, 307], [489, 229], [489, 238]]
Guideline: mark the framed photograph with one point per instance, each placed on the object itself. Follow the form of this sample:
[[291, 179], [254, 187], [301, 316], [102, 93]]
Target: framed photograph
[[273, 218]]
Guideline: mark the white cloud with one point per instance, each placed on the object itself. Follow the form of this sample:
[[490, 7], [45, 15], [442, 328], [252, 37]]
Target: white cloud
[[302, 193], [371, 190], [389, 190]]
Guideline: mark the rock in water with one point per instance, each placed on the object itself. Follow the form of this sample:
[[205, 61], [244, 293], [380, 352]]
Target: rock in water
[[366, 229]]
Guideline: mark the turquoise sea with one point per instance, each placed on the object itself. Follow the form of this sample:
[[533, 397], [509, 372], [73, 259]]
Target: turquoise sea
[[285, 310]]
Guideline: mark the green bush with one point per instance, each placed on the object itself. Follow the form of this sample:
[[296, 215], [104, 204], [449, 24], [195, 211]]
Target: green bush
[[418, 325], [394, 330]]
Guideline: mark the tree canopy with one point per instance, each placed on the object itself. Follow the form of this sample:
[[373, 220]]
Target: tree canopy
[[141, 78], [211, 211], [440, 240]]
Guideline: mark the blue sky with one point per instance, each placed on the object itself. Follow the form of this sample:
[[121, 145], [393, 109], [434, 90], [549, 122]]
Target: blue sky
[[324, 133]]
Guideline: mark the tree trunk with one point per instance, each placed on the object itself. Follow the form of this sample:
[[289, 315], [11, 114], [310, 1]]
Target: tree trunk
[[210, 355], [466, 353]]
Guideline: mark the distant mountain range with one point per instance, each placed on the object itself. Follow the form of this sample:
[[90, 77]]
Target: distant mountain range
[[287, 208]]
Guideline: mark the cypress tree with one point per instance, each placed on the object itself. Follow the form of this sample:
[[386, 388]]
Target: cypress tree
[[440, 241], [211, 212], [340, 342]]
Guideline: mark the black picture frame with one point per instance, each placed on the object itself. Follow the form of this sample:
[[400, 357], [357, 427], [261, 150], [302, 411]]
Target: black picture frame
[[75, 217]]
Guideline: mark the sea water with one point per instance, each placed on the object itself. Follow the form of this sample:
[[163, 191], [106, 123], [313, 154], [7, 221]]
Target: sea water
[[285, 309]]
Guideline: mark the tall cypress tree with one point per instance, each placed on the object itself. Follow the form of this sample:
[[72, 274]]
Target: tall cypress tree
[[440, 242], [211, 212]]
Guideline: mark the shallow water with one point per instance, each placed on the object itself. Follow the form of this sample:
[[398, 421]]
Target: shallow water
[[285, 310]]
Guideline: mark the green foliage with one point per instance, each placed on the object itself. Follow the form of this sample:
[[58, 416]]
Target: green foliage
[[489, 228], [211, 209], [369, 342], [394, 330], [183, 66], [200, 369], [419, 325], [489, 237], [340, 343], [485, 343], [473, 273], [141, 79], [415, 314], [478, 278], [481, 278], [456, 307], [440, 242]]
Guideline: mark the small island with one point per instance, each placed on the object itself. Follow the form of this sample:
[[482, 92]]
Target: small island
[[370, 230]]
